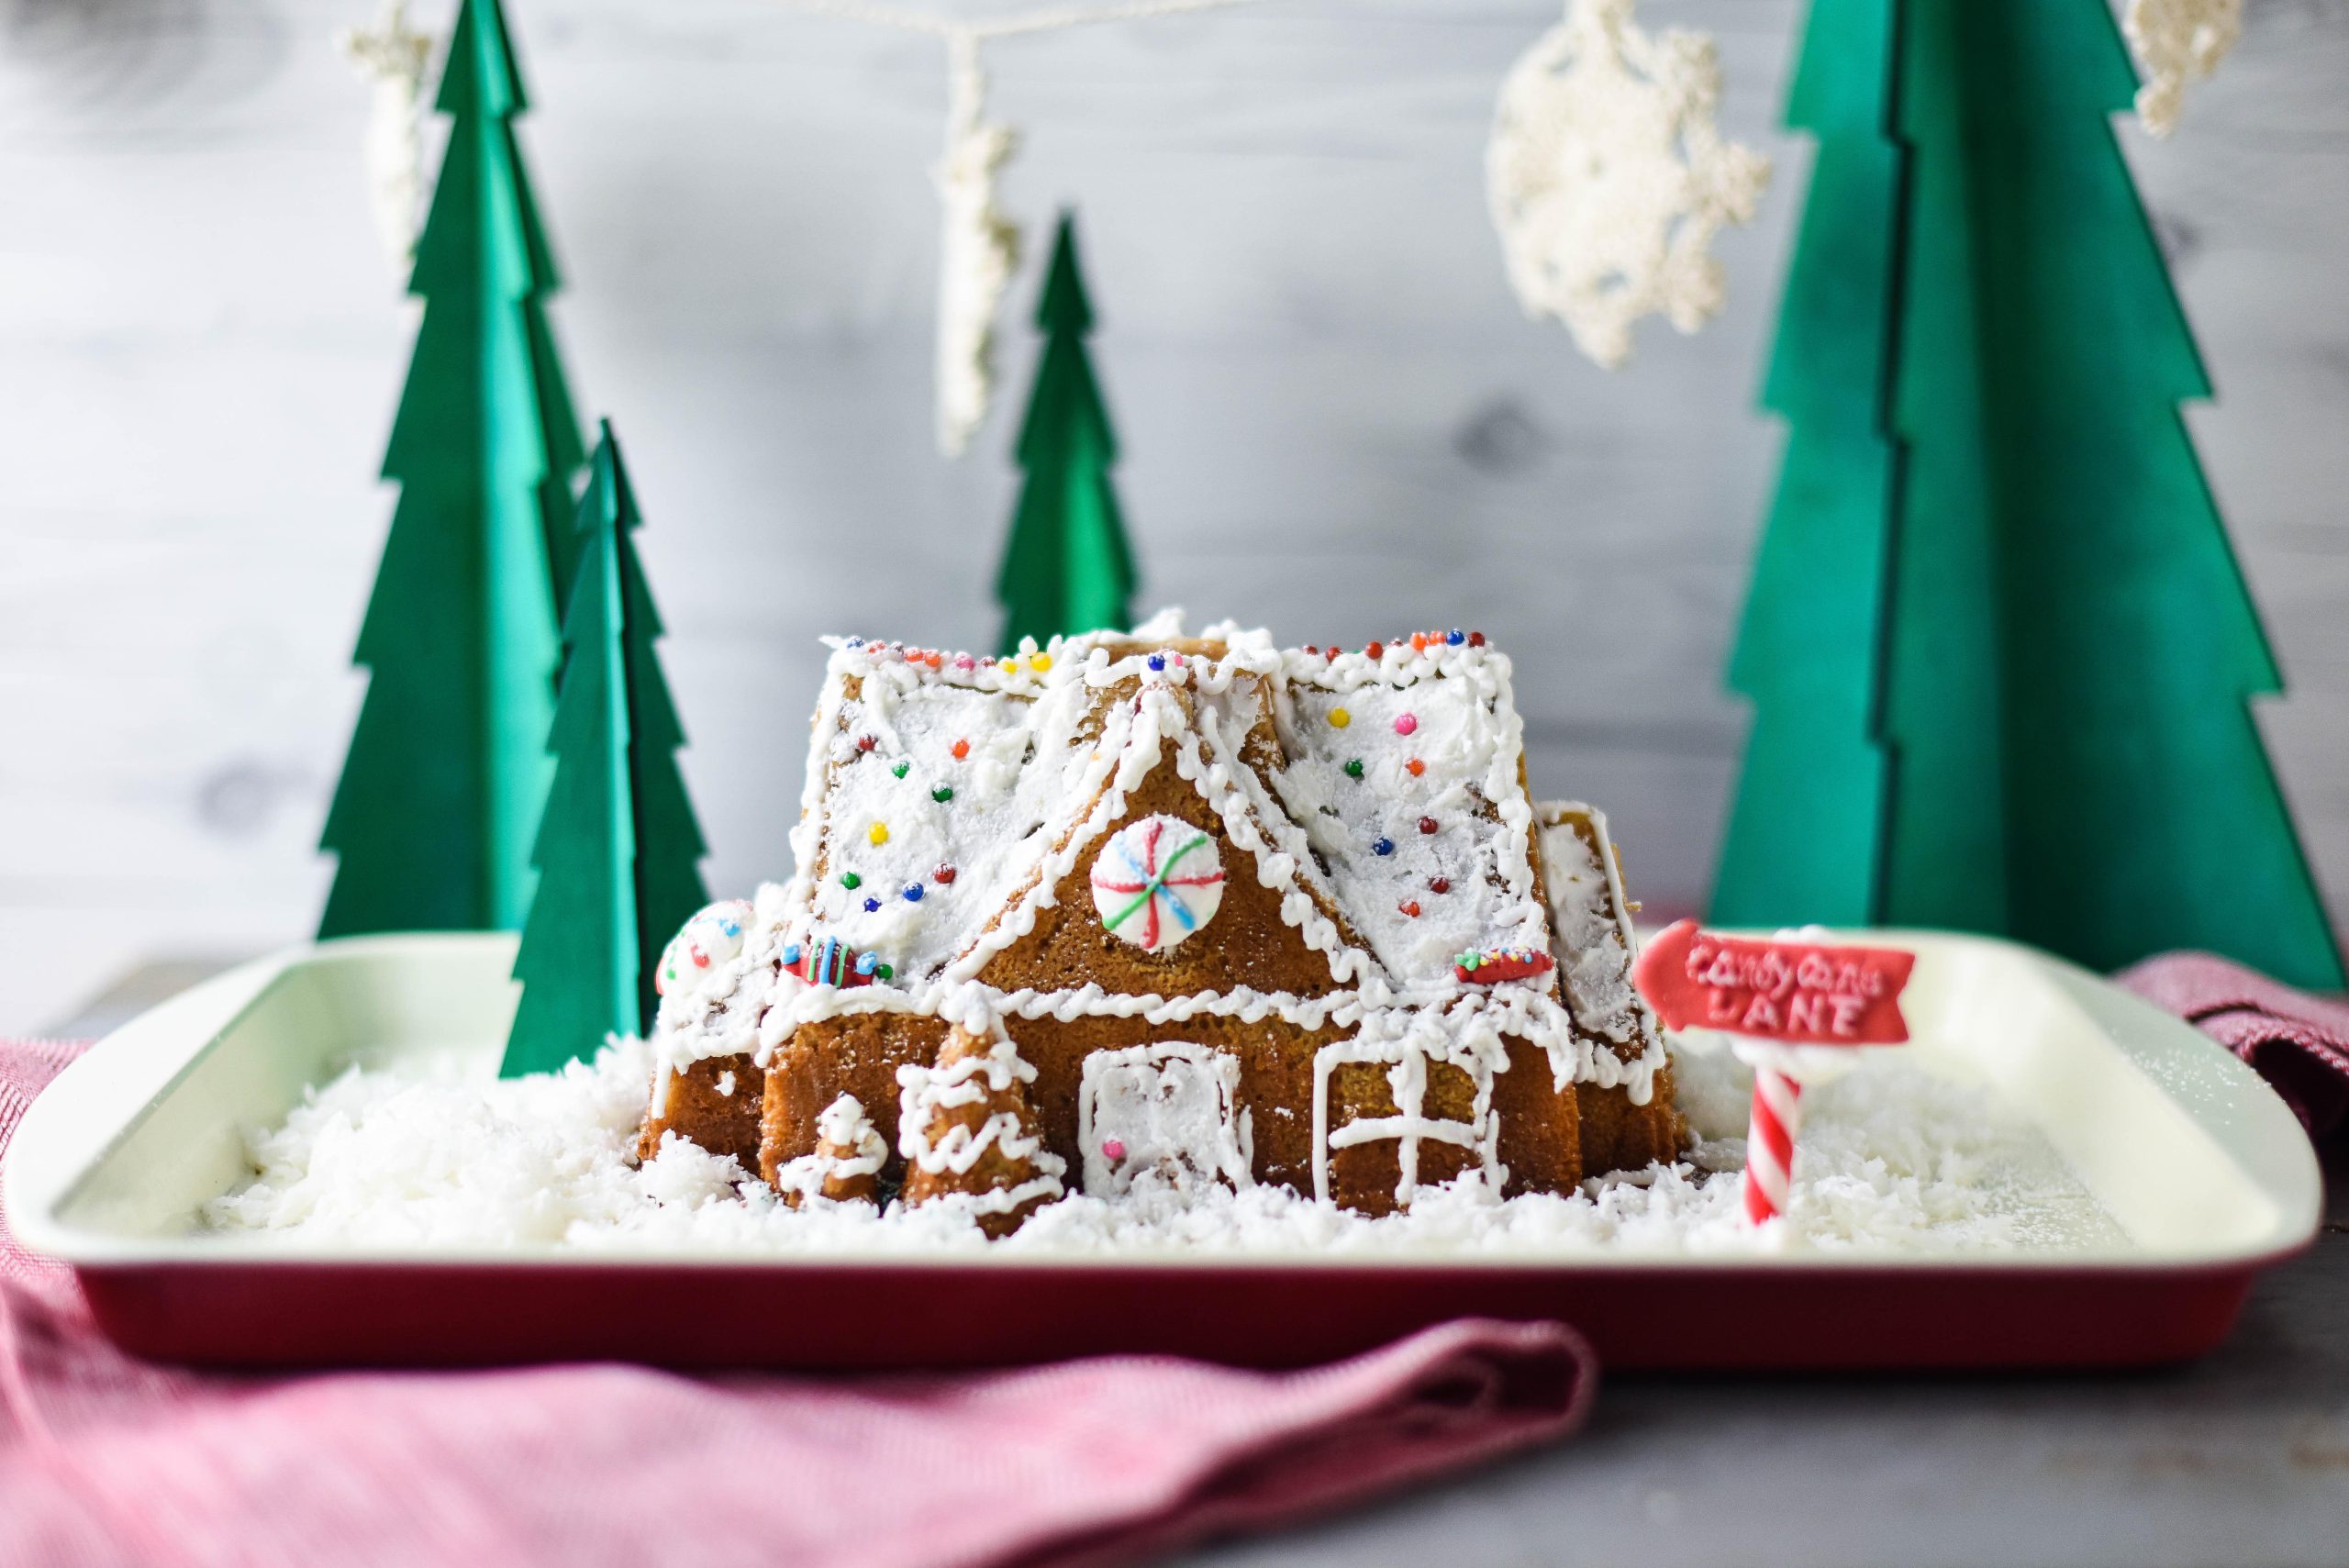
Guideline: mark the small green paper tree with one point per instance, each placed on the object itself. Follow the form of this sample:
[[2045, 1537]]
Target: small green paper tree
[[2014, 699], [446, 769], [1068, 568], [617, 850]]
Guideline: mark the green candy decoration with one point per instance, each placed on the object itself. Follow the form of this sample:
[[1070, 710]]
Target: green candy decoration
[[1068, 568], [617, 850], [2017, 701], [447, 771]]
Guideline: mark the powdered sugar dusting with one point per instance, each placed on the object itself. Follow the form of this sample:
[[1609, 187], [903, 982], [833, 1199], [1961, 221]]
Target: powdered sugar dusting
[[1894, 1159]]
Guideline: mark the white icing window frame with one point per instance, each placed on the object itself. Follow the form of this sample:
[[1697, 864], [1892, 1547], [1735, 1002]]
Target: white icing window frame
[[1235, 1153], [1407, 1063]]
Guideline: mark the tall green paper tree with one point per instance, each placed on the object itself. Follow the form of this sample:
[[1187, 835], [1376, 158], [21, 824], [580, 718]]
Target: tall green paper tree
[[446, 769], [1806, 828], [2061, 650], [618, 850], [1068, 568]]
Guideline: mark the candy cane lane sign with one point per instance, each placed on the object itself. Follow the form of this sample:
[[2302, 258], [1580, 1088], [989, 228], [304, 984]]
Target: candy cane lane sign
[[1797, 993]]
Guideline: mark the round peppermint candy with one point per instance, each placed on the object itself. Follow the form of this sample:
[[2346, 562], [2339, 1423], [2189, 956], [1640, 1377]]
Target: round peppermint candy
[[708, 940], [1156, 881]]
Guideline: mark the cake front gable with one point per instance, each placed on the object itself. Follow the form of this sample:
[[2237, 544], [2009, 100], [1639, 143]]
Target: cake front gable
[[1176, 874]]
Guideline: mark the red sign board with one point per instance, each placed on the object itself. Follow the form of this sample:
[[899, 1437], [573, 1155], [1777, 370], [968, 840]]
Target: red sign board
[[1795, 992]]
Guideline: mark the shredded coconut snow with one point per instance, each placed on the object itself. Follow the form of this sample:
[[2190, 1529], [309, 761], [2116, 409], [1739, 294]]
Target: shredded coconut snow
[[1892, 1159]]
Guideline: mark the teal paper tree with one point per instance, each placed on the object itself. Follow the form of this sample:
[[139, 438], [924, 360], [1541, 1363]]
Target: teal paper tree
[[618, 849], [441, 789], [2001, 653], [1068, 568]]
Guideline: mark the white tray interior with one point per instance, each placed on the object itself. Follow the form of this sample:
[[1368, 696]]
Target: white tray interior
[[2185, 1148]]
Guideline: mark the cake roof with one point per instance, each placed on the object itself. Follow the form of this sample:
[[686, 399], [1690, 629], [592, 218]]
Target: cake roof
[[1384, 798]]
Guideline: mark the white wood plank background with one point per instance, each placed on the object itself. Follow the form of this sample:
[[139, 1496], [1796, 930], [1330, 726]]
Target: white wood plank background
[[1336, 420]]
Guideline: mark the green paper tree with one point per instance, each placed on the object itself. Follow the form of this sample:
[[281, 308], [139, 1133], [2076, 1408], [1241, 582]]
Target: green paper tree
[[618, 850], [2019, 698], [1068, 568], [446, 769], [1806, 827]]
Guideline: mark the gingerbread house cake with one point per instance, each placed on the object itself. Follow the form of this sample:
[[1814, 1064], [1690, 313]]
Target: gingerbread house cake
[[1187, 911]]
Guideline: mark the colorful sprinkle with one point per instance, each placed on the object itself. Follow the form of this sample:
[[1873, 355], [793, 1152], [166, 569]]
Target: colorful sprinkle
[[913, 892], [1454, 637], [1415, 767], [1382, 845], [885, 972], [1339, 717], [964, 661], [1376, 650], [878, 833], [900, 771], [1040, 662], [866, 962], [1332, 654], [1418, 642], [866, 742], [942, 794], [1439, 885], [1010, 666], [1406, 722], [1112, 1149], [1475, 639], [872, 905], [943, 876], [1427, 824], [961, 748], [1157, 661], [1410, 907], [851, 880]]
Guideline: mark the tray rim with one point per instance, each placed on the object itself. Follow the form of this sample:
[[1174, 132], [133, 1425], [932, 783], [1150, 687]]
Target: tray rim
[[75, 1124]]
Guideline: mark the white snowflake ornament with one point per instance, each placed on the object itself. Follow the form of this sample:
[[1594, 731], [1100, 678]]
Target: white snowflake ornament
[[2176, 42], [1609, 178]]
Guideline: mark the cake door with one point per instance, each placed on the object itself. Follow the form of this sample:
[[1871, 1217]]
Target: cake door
[[1166, 1112]]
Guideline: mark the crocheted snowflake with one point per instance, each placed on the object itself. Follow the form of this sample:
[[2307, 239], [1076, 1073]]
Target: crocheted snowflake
[[1609, 178], [2176, 42]]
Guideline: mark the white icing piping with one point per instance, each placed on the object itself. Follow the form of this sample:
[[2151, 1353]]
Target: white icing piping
[[1233, 1148], [924, 1091], [842, 1125], [1408, 1055]]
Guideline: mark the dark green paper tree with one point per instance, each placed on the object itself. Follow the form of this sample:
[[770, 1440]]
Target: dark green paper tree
[[1068, 568], [2016, 701], [441, 789], [617, 850]]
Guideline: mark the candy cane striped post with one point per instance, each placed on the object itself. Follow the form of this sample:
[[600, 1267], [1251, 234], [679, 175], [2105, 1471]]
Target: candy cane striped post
[[1770, 1145]]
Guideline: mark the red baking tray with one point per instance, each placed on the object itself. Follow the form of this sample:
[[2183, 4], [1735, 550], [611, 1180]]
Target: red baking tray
[[2205, 1171]]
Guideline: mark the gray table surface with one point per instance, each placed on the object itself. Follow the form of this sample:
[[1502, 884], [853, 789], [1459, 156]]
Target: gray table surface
[[2240, 1461]]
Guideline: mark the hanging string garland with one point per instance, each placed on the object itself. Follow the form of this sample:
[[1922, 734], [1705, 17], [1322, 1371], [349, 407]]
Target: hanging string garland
[[2176, 42], [1607, 177], [979, 244], [393, 56]]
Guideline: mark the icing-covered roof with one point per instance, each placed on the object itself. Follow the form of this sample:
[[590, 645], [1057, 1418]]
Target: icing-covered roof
[[943, 788]]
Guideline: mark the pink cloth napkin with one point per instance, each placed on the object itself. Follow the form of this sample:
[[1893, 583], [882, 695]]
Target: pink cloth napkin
[[108, 1461], [2298, 1042]]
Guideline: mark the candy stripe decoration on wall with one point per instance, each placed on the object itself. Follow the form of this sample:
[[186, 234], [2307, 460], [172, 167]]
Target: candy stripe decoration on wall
[[618, 850], [2061, 679], [441, 790], [1068, 568]]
